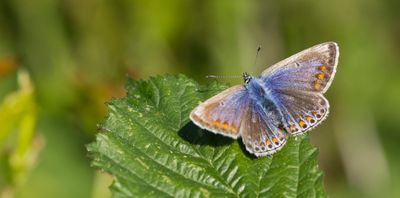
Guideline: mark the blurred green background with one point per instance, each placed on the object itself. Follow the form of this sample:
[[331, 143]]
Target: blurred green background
[[78, 54]]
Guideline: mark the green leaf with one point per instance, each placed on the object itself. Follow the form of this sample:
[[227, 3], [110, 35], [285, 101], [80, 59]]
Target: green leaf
[[19, 147], [152, 149]]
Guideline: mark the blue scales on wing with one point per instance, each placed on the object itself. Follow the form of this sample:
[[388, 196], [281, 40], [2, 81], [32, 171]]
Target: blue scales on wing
[[237, 112], [261, 129], [287, 99], [297, 84]]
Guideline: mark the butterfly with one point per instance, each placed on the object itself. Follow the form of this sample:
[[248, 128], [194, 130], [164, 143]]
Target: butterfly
[[285, 100]]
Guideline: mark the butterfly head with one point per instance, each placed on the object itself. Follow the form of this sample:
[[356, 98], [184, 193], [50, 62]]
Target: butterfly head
[[246, 78]]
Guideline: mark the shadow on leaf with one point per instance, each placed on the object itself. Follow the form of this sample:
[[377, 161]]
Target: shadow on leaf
[[245, 152], [195, 135]]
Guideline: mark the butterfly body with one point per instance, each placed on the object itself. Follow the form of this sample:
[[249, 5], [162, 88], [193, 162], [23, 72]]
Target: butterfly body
[[285, 100], [263, 100]]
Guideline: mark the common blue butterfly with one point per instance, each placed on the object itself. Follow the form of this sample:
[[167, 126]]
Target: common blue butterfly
[[287, 99]]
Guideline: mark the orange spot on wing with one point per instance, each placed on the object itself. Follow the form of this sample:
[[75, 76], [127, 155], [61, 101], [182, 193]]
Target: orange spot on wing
[[233, 129], [225, 125], [301, 123], [317, 85], [321, 76], [268, 142], [309, 118], [274, 139], [314, 113], [323, 68], [217, 123]]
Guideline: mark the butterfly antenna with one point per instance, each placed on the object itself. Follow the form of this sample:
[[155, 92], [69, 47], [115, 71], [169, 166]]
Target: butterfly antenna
[[255, 60], [215, 77]]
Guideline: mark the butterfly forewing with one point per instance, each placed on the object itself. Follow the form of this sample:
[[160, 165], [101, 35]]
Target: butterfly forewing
[[221, 113], [310, 70]]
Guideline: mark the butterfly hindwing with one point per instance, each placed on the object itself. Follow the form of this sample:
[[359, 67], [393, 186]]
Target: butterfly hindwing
[[261, 130], [221, 113], [301, 110]]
